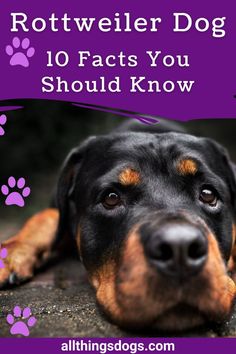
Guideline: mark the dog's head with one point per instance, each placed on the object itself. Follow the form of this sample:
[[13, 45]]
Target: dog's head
[[153, 218]]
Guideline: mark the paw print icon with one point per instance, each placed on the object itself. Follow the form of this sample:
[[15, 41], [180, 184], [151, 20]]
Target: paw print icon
[[3, 255], [3, 120], [20, 321], [20, 52], [15, 191]]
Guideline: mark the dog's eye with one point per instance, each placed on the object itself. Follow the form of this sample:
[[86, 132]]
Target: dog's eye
[[111, 200], [208, 196]]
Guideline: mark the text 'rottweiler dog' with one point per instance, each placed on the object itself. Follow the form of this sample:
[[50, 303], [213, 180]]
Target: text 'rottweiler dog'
[[153, 218]]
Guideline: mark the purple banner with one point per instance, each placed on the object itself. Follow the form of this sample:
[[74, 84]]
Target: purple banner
[[172, 59], [118, 345]]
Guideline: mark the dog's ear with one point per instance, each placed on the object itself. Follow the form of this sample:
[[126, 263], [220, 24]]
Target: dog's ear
[[65, 186], [226, 167], [219, 159]]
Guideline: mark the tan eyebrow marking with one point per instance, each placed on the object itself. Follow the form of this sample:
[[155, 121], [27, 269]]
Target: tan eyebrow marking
[[187, 167], [129, 176]]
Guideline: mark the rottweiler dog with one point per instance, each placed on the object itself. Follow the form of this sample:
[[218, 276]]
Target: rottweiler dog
[[152, 211]]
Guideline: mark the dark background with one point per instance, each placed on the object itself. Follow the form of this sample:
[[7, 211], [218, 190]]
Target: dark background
[[39, 136]]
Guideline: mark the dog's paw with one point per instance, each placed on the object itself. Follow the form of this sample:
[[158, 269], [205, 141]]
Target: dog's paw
[[18, 265]]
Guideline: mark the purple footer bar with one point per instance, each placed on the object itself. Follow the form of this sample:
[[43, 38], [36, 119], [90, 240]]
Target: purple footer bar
[[117, 345]]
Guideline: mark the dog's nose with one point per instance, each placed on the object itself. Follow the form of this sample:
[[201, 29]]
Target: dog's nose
[[177, 250]]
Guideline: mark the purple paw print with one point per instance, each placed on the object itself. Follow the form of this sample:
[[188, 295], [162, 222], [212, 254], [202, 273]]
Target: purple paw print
[[20, 52], [20, 321], [3, 255], [3, 120], [15, 197]]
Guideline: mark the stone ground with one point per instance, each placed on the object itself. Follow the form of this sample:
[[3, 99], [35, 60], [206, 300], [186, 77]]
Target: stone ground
[[64, 304]]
